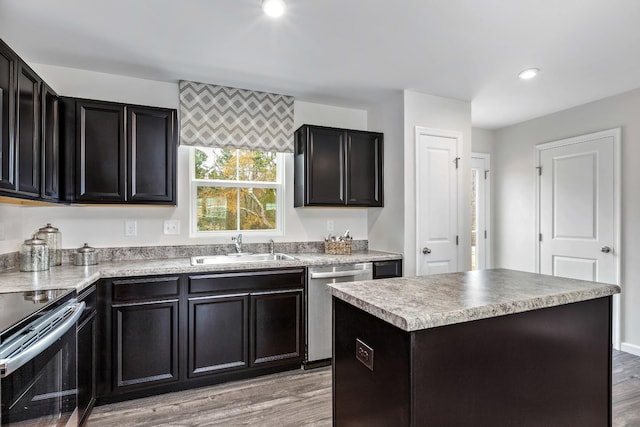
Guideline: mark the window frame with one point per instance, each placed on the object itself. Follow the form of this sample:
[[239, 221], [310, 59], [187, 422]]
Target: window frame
[[278, 185]]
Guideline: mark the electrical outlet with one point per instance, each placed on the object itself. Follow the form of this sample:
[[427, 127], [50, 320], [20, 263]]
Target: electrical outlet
[[172, 226], [330, 225], [130, 228], [1, 230]]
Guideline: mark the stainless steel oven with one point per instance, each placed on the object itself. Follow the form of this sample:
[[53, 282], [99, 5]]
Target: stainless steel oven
[[38, 359]]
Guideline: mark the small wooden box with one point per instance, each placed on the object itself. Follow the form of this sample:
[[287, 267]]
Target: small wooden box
[[337, 248]]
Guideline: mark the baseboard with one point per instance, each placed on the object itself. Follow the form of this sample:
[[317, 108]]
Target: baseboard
[[630, 348]]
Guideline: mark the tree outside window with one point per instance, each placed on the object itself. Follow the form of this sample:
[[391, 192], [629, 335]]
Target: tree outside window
[[236, 190]]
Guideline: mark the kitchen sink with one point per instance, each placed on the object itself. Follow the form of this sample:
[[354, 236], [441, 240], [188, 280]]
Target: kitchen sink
[[239, 258]]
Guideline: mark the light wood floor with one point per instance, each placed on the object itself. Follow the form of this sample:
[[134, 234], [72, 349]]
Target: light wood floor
[[300, 398]]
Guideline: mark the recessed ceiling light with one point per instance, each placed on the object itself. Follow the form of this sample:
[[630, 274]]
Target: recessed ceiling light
[[274, 8], [529, 73]]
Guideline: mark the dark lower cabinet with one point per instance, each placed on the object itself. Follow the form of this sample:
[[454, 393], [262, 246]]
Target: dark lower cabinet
[[218, 334], [276, 321], [145, 344], [168, 333], [87, 355], [387, 269]]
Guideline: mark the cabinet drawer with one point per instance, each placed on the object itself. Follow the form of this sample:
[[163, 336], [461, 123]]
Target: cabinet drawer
[[386, 269], [147, 288], [246, 281]]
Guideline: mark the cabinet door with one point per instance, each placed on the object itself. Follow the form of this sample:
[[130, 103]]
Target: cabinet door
[[364, 169], [145, 346], [8, 63], [218, 334], [325, 166], [100, 152], [151, 168], [86, 367], [276, 328], [28, 131], [50, 187]]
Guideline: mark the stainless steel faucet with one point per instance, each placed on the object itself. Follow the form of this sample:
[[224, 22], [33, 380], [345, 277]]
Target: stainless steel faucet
[[271, 246], [238, 242]]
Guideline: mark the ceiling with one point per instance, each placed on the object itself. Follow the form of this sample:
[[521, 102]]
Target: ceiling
[[350, 53]]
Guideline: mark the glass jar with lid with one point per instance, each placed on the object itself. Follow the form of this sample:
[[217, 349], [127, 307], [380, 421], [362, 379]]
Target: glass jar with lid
[[52, 236], [34, 255]]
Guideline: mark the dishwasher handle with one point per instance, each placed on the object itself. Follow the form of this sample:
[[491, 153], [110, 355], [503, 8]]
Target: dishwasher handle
[[20, 357], [335, 274]]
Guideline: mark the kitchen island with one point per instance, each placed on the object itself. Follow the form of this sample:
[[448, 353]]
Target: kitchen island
[[484, 348]]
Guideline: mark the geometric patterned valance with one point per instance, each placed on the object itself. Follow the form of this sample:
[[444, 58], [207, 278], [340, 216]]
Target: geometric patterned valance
[[218, 116]]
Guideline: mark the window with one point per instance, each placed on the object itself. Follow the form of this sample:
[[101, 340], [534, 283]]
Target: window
[[236, 190]]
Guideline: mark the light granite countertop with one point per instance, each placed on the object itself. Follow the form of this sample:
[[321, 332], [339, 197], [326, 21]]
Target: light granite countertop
[[70, 276], [416, 303]]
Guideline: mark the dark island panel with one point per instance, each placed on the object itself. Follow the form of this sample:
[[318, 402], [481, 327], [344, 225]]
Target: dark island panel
[[550, 366]]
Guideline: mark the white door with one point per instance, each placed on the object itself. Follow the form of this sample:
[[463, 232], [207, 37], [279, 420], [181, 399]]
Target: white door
[[437, 163], [480, 213], [579, 209]]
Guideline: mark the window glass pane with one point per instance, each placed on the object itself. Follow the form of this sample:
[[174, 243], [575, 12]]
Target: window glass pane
[[216, 163], [217, 208], [257, 208], [233, 164], [256, 166]]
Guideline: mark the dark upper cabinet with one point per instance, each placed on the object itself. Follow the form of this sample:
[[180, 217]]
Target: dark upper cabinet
[[337, 167], [8, 64], [50, 154], [28, 131], [120, 153], [151, 147], [99, 152]]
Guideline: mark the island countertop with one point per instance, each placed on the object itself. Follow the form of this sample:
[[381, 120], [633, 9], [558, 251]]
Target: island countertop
[[423, 302]]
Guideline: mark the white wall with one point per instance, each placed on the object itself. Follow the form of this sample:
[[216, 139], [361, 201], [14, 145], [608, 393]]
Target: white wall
[[438, 113], [386, 224], [104, 226], [514, 182]]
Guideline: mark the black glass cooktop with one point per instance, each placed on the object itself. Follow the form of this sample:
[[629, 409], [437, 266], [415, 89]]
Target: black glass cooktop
[[18, 307]]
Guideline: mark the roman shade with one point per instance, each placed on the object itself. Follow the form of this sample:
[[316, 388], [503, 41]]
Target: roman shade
[[219, 116]]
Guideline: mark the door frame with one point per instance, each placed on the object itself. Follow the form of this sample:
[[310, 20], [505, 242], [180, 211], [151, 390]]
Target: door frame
[[488, 259], [615, 133], [420, 130]]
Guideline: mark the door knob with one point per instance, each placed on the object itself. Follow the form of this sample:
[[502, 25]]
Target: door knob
[[426, 250], [605, 249]]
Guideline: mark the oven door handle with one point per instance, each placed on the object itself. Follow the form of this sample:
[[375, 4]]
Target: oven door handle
[[11, 364], [334, 274]]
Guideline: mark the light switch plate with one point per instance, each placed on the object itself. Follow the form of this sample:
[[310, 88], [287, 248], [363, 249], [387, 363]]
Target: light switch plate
[[330, 225], [1, 230], [130, 228], [172, 226]]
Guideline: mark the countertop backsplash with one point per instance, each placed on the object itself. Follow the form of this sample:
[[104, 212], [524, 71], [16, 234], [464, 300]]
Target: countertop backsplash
[[11, 260]]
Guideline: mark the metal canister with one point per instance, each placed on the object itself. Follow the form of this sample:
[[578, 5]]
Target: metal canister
[[34, 255], [52, 236], [85, 255]]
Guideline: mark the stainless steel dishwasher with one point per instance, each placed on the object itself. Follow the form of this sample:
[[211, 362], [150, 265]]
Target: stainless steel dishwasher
[[319, 318]]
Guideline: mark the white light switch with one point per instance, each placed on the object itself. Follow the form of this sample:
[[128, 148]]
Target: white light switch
[[1, 230], [172, 226], [330, 225], [130, 228]]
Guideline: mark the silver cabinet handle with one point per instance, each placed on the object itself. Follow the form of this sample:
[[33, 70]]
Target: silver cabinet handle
[[426, 250], [605, 249], [334, 274]]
